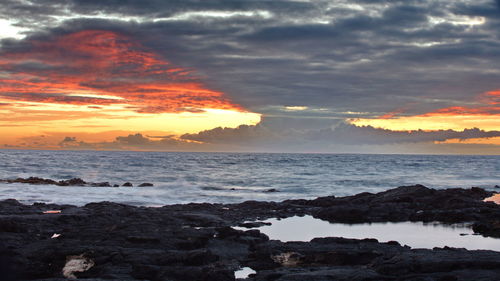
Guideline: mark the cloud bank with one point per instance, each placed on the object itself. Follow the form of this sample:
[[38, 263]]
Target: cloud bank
[[304, 65], [265, 137]]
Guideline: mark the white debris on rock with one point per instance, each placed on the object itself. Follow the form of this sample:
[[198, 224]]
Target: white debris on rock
[[287, 259], [76, 264], [244, 273], [495, 198]]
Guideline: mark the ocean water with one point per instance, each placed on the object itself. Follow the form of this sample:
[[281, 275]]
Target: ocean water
[[232, 177]]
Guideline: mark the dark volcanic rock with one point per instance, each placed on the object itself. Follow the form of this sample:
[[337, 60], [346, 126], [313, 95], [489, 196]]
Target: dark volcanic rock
[[101, 184], [74, 181], [145, 184], [128, 184], [408, 203], [197, 242], [33, 180], [70, 182]]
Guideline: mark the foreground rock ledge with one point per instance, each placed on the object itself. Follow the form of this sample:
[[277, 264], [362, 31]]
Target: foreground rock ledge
[[110, 241]]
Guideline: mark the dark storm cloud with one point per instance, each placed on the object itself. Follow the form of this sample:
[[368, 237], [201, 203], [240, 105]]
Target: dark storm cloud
[[69, 139], [401, 16], [241, 135], [339, 134], [164, 8], [136, 139], [365, 56], [486, 9], [43, 11], [131, 141], [350, 134]]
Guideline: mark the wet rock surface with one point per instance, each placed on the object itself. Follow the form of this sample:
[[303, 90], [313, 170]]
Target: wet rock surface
[[110, 241]]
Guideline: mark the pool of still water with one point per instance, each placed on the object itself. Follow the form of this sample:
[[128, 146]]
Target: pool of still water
[[413, 234]]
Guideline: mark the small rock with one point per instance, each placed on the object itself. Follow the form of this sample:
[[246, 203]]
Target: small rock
[[101, 184], [145, 184], [272, 190], [127, 184], [34, 180], [73, 181], [116, 185]]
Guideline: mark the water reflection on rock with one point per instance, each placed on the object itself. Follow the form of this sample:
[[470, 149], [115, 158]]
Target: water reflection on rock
[[413, 234]]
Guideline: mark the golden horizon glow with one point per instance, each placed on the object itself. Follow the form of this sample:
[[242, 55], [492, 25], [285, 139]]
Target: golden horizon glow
[[486, 117], [69, 120], [492, 140], [432, 123]]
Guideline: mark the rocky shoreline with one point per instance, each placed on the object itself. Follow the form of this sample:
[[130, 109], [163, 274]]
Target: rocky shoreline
[[110, 241], [70, 182]]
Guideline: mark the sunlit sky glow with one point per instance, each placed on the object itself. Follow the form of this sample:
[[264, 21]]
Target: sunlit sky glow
[[301, 76]]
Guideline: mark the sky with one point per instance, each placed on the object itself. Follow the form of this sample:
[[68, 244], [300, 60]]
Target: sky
[[313, 76]]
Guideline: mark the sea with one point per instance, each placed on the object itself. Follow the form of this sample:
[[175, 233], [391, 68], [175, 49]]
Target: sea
[[184, 177]]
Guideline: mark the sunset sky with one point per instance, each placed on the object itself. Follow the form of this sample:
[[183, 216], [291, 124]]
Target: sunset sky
[[236, 75]]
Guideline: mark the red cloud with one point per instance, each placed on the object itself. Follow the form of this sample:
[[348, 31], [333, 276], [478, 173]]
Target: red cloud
[[77, 68], [461, 110], [488, 104], [492, 97]]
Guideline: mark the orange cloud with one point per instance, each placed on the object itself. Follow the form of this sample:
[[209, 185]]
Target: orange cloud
[[95, 67], [489, 105], [492, 97], [98, 85], [493, 140]]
